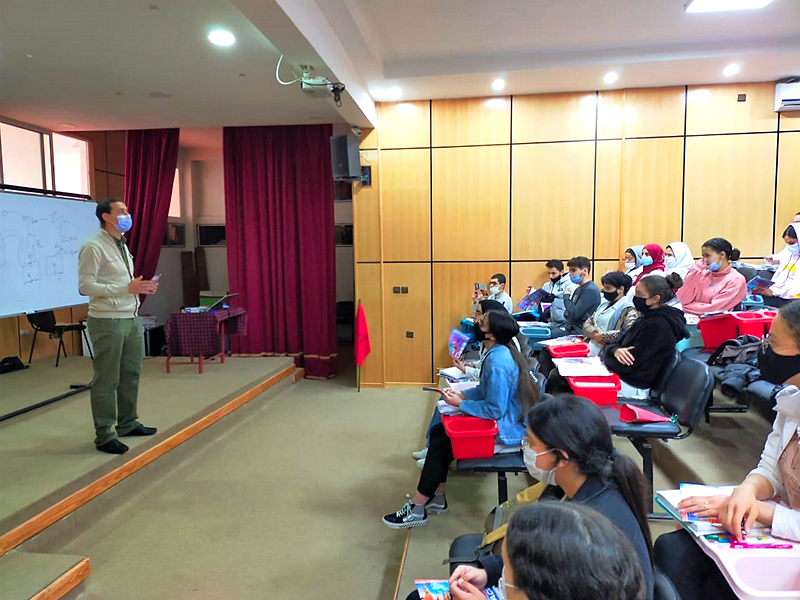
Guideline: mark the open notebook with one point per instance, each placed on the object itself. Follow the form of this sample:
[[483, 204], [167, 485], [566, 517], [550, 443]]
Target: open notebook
[[669, 500]]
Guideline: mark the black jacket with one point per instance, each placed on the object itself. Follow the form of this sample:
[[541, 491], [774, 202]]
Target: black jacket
[[653, 337], [608, 502]]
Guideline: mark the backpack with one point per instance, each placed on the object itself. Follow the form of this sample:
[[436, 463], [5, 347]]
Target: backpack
[[736, 351], [11, 363]]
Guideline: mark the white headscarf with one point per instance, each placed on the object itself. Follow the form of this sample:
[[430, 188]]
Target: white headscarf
[[683, 259]]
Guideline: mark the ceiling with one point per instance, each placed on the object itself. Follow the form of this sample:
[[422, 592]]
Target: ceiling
[[127, 64]]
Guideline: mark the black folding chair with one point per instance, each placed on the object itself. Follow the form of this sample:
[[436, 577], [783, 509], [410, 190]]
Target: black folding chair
[[46, 323]]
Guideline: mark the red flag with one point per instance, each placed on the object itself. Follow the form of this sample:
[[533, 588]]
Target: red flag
[[362, 346]]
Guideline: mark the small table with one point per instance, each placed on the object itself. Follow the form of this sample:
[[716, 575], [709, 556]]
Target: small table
[[202, 335]]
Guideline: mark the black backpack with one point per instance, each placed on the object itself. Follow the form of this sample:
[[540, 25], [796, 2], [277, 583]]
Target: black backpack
[[742, 349], [11, 363]]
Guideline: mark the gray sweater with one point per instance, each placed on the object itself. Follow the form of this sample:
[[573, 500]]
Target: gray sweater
[[105, 268]]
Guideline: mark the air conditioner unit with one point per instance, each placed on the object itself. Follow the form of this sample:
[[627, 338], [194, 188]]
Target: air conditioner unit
[[787, 97]]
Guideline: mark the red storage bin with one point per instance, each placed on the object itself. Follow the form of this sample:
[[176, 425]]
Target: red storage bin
[[470, 437], [717, 329], [580, 349], [600, 390], [753, 323]]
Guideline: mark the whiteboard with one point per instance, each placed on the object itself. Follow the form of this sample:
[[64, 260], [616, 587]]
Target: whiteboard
[[39, 242]]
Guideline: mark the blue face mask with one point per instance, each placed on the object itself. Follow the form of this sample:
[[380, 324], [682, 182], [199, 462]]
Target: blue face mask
[[714, 267], [124, 223], [647, 261], [576, 278]]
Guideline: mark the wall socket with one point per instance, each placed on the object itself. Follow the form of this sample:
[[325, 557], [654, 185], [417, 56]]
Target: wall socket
[[404, 290], [396, 290], [409, 334]]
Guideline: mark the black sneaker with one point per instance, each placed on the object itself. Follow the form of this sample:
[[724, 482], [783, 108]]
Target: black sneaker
[[140, 430], [405, 517], [113, 447], [436, 507]]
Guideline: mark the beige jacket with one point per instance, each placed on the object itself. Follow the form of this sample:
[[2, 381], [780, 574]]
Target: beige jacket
[[104, 274]]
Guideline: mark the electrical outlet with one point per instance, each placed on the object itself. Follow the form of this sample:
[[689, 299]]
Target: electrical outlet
[[404, 290], [409, 334], [396, 290]]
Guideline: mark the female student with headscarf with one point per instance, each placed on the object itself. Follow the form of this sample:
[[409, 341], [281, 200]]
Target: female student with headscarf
[[786, 284], [777, 476], [652, 264], [633, 261], [713, 284], [678, 259]]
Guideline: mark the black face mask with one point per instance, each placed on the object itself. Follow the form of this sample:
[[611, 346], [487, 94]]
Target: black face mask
[[640, 304], [556, 279], [776, 368], [610, 296]]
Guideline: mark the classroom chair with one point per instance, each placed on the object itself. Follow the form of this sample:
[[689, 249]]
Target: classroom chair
[[684, 397], [46, 323]]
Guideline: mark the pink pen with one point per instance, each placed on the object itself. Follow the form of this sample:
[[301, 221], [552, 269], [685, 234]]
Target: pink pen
[[745, 545]]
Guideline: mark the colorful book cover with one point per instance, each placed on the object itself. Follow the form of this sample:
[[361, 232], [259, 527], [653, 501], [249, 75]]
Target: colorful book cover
[[758, 282], [532, 299], [433, 589], [458, 343]]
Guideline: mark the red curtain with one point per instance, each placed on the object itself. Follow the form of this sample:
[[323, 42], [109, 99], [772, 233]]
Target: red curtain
[[280, 232], [151, 157]]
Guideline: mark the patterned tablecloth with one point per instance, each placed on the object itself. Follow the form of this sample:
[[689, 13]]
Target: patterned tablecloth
[[198, 334]]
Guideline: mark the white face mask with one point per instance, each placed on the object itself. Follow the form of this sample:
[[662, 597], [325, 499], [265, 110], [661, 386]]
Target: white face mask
[[671, 262], [494, 290], [630, 265], [546, 477]]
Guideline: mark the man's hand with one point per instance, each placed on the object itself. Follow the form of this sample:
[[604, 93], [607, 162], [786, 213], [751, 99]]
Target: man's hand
[[624, 356], [139, 286]]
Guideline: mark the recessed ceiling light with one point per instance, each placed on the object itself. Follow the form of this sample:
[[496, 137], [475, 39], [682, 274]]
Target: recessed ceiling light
[[731, 70], [696, 6], [67, 125], [498, 84], [610, 77], [159, 95], [221, 37], [29, 56]]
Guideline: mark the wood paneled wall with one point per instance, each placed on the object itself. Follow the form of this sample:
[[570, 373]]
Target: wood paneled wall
[[466, 188], [107, 159]]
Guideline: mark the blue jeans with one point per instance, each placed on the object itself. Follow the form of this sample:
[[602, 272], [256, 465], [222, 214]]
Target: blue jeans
[[435, 420]]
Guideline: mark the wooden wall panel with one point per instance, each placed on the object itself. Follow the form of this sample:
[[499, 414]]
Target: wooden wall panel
[[100, 183], [369, 288], [716, 109], [115, 151], [408, 360], [367, 213], [607, 199], [453, 284], [788, 183], [601, 267], [406, 204], [554, 117], [405, 124], [471, 203], [654, 112], [471, 121], [9, 337], [790, 121], [552, 199], [652, 177], [609, 114], [369, 139], [97, 152], [730, 184], [524, 274], [116, 186]]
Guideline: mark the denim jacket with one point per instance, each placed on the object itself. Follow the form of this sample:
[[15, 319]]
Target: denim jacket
[[495, 397]]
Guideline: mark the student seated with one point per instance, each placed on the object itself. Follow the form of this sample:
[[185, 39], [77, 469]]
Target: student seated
[[775, 259], [638, 355], [472, 369], [558, 287], [678, 259], [713, 284], [615, 313], [569, 445], [786, 284], [777, 475], [505, 393], [652, 263], [583, 301], [497, 291], [633, 261], [549, 550]]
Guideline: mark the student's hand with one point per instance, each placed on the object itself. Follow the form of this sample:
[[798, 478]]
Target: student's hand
[[764, 291], [624, 356], [476, 295], [704, 506], [460, 365], [452, 397], [598, 338], [742, 506], [474, 575], [138, 286], [464, 590], [771, 261]]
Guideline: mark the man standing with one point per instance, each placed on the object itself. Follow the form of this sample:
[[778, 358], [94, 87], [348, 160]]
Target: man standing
[[105, 269]]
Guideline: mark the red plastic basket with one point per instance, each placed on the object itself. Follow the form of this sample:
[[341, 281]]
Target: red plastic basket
[[470, 437], [579, 349], [600, 390], [717, 329], [753, 323]]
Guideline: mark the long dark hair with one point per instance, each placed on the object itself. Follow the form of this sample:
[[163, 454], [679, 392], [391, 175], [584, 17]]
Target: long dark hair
[[564, 551], [487, 305], [504, 328], [575, 426]]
